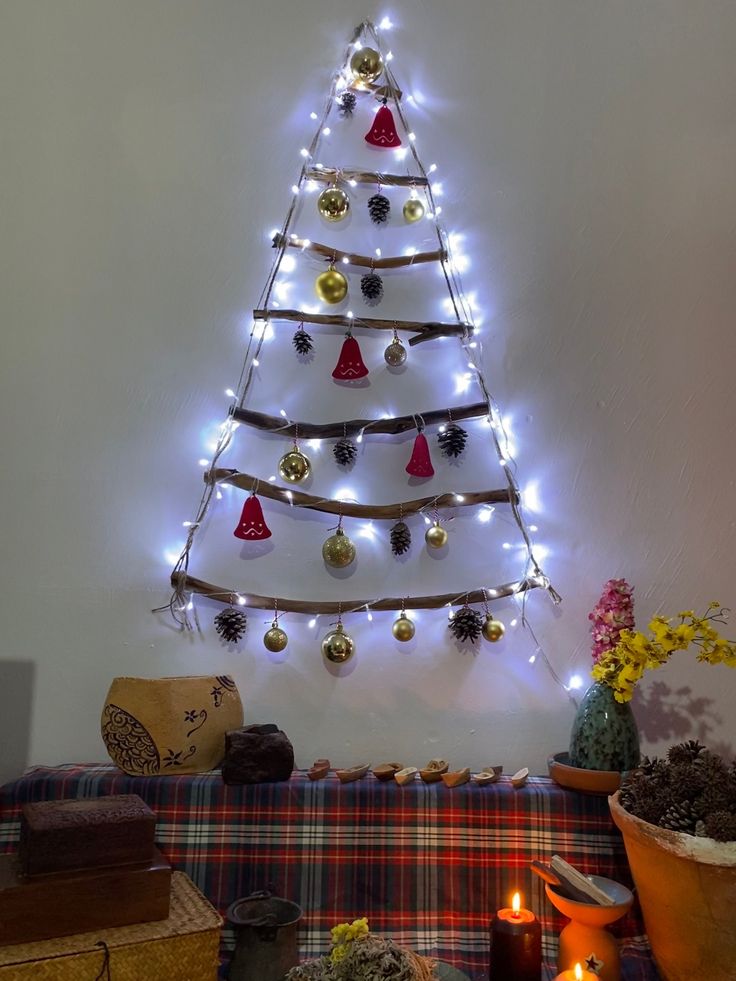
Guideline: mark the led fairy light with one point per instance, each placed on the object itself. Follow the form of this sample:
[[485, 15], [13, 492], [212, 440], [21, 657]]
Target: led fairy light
[[461, 305], [463, 310]]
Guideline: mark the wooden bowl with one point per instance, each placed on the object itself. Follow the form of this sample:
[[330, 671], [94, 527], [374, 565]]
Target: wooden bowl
[[585, 781]]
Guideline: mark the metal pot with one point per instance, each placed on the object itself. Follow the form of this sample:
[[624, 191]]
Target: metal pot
[[265, 937]]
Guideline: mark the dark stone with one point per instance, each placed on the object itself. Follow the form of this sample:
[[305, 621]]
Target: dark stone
[[257, 754]]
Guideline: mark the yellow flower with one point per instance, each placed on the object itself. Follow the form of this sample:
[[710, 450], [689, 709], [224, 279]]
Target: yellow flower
[[623, 666]]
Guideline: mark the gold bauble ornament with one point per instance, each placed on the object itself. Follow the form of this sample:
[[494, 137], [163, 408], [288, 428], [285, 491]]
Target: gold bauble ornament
[[331, 286], [435, 536], [493, 629], [275, 640], [338, 551], [294, 466], [366, 64], [413, 210], [333, 204], [403, 628], [337, 646], [395, 354]]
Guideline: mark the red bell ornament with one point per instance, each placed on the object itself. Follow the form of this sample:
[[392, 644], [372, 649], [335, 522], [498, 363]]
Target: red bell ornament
[[383, 131], [420, 464], [350, 363], [252, 526]]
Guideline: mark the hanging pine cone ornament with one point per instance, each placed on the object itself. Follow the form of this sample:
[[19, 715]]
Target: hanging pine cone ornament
[[452, 441], [347, 103], [302, 341], [371, 286], [230, 624], [400, 538], [345, 452], [379, 208], [466, 624]]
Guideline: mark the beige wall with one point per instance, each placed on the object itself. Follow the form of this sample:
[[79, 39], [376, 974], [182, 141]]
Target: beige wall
[[587, 153]]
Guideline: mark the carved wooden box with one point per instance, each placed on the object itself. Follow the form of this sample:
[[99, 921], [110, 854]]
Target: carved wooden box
[[65, 835]]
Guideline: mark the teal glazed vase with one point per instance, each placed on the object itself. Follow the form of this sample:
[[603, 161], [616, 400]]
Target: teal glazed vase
[[604, 734]]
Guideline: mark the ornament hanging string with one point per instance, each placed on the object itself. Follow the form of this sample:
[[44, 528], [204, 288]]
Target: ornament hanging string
[[457, 298], [179, 603]]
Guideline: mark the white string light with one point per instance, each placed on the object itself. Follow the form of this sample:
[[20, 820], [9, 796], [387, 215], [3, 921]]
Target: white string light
[[462, 305]]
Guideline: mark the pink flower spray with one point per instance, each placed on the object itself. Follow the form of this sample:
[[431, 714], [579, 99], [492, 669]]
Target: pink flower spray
[[613, 613]]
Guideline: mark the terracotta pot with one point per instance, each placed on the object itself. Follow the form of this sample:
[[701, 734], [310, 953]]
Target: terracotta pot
[[687, 891], [154, 726]]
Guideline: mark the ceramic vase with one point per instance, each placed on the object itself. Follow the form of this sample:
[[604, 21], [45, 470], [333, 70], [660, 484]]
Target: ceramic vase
[[687, 891], [604, 734], [154, 726]]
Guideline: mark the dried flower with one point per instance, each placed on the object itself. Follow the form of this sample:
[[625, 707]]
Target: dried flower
[[613, 613], [623, 666]]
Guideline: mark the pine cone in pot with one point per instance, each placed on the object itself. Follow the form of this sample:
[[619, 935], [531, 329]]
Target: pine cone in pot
[[691, 791]]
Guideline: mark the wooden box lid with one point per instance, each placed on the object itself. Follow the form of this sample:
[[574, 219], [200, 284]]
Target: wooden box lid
[[66, 835]]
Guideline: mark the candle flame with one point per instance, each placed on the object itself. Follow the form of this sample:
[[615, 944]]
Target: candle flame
[[578, 973], [516, 902]]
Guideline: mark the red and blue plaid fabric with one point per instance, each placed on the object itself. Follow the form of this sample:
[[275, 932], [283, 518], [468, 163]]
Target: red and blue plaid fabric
[[427, 865]]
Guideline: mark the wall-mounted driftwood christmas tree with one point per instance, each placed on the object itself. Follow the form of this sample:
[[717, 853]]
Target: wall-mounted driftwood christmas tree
[[365, 88]]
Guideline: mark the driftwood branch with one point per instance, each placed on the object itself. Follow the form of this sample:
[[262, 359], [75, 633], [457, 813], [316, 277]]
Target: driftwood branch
[[425, 331], [329, 175], [246, 481], [372, 262], [352, 427], [189, 584], [380, 91]]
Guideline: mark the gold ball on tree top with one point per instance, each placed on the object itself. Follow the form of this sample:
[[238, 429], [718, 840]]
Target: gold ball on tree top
[[492, 629], [435, 536], [338, 646], [294, 466], [275, 639], [331, 286], [333, 204], [338, 551], [403, 628], [413, 210], [366, 64]]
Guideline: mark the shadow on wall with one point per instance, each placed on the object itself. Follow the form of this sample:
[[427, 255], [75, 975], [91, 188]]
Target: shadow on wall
[[671, 716], [16, 701]]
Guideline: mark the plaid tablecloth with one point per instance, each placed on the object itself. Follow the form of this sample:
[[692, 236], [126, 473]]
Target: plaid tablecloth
[[427, 865]]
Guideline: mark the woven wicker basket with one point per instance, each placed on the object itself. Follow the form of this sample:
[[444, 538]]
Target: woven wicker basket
[[182, 948]]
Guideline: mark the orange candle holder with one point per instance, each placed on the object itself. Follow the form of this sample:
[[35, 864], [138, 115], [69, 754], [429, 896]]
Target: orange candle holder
[[585, 940]]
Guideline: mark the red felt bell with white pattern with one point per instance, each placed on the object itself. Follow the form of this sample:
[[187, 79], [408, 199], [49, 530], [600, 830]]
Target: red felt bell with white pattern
[[420, 464], [350, 363], [252, 526], [383, 131]]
